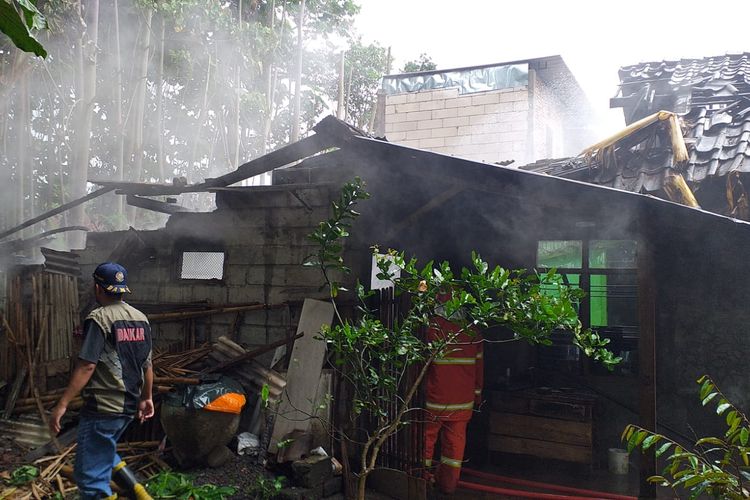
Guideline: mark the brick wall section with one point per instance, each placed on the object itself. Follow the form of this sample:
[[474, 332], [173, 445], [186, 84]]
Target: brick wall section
[[486, 126], [264, 235]]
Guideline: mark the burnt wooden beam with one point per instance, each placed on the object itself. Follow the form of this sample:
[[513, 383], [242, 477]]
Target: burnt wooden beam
[[155, 205], [329, 133], [55, 211], [147, 189], [276, 159], [646, 350]]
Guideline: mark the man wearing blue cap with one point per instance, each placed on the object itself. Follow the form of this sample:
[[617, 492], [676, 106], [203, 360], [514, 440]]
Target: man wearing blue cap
[[114, 376]]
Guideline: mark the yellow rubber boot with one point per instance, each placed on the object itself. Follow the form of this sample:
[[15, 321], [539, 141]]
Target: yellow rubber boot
[[125, 479]]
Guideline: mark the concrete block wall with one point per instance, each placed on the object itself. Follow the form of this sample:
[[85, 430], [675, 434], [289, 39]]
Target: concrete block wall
[[485, 126], [264, 236]]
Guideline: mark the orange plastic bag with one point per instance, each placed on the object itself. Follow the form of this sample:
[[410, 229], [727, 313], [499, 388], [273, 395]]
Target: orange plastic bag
[[227, 403]]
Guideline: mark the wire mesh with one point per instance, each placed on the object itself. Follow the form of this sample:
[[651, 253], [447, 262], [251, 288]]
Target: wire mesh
[[202, 265]]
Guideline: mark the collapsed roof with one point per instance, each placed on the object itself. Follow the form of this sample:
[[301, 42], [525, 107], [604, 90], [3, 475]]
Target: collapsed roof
[[712, 98]]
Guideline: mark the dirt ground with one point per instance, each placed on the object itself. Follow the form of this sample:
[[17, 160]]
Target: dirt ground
[[241, 472], [11, 455]]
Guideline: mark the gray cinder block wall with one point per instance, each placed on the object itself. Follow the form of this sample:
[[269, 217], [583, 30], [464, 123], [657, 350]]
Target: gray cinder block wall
[[549, 117], [263, 233]]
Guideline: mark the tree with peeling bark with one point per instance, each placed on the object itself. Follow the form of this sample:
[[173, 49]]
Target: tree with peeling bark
[[374, 360]]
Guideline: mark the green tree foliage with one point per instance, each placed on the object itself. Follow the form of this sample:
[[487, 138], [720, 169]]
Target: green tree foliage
[[215, 91], [715, 466], [18, 20], [364, 66], [375, 358], [422, 63]]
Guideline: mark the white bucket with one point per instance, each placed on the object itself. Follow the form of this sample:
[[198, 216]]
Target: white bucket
[[618, 461]]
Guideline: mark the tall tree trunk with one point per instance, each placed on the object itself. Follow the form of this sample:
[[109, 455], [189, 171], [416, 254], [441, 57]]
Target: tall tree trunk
[[341, 112], [119, 159], [272, 72], [23, 168], [236, 136], [199, 124], [139, 110], [298, 76], [160, 103], [79, 170]]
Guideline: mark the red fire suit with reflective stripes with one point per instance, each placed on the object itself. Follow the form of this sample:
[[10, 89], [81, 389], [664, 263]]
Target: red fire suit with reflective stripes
[[453, 389]]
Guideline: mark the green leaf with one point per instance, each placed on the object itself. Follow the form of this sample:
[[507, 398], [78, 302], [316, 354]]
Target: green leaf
[[15, 28], [632, 441], [706, 387], [34, 19], [649, 441], [722, 408], [663, 448], [709, 398], [744, 434], [265, 393], [661, 480], [730, 417], [710, 440]]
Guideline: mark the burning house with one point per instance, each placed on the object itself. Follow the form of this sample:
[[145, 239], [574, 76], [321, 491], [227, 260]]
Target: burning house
[[235, 273]]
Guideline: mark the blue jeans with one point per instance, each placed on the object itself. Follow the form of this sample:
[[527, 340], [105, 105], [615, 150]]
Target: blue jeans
[[96, 454]]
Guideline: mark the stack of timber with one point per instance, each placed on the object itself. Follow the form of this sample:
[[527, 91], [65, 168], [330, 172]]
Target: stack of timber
[[237, 362]]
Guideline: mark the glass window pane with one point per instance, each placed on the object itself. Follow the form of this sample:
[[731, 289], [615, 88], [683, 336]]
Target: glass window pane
[[612, 254], [561, 254], [202, 266], [613, 300]]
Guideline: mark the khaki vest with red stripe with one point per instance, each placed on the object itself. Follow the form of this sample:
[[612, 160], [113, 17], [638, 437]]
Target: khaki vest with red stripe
[[454, 380]]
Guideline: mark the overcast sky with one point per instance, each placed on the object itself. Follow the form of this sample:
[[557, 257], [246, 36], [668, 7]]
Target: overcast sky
[[594, 38]]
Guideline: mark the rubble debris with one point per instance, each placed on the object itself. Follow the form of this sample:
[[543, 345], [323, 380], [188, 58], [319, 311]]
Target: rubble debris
[[56, 471], [312, 471]]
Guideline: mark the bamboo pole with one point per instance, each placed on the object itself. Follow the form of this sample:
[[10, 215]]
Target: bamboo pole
[[181, 315], [176, 380]]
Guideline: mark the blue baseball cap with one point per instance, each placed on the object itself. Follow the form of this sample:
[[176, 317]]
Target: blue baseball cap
[[112, 277]]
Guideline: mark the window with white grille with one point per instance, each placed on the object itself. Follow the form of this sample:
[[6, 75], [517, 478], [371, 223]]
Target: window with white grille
[[202, 266]]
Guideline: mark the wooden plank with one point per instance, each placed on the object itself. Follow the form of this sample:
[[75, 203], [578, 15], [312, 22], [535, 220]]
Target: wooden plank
[[546, 429], [58, 210], [298, 403], [537, 448]]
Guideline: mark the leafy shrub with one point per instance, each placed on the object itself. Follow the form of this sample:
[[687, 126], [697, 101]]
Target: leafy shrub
[[714, 466], [180, 486]]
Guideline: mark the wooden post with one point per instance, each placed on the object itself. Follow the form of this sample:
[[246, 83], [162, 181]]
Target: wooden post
[[646, 351]]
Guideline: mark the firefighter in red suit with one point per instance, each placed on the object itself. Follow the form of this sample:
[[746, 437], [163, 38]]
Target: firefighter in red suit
[[453, 391]]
